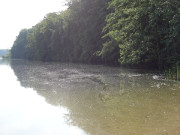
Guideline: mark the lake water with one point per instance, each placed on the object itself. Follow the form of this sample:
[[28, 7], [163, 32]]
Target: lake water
[[72, 99]]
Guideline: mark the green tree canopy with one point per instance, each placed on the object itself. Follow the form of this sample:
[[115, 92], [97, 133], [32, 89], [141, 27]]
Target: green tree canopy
[[126, 32]]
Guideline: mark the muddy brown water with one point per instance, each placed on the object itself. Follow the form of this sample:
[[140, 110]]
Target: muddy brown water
[[76, 99]]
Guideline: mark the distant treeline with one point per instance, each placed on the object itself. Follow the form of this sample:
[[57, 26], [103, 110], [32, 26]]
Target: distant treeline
[[3, 52], [123, 32]]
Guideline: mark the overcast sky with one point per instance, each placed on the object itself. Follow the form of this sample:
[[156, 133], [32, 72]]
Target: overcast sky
[[18, 14]]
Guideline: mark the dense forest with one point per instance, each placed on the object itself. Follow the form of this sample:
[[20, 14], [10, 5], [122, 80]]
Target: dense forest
[[117, 32]]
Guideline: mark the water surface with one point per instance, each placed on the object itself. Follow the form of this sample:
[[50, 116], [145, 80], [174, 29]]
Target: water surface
[[61, 98]]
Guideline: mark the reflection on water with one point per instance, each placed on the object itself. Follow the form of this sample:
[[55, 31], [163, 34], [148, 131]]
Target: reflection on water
[[4, 61], [98, 100], [24, 112]]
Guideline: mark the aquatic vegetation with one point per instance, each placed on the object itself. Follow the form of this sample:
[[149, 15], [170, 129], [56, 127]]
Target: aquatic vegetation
[[173, 73]]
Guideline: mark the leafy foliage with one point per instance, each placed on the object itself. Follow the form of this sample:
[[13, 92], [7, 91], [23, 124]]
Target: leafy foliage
[[146, 31], [72, 35], [128, 32]]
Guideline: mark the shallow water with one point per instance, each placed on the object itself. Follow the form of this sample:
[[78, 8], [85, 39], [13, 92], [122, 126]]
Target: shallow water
[[61, 98]]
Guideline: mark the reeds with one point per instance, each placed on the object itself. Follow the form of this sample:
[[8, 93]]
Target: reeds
[[173, 73]]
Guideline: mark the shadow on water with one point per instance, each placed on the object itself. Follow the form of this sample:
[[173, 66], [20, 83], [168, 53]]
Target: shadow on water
[[106, 100]]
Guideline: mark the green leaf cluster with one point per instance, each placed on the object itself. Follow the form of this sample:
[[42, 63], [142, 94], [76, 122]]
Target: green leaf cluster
[[145, 32]]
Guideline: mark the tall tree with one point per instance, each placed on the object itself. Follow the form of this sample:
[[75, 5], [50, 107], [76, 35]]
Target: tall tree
[[146, 32]]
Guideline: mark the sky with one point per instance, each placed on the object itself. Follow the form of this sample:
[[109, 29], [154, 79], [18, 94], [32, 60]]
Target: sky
[[16, 15]]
